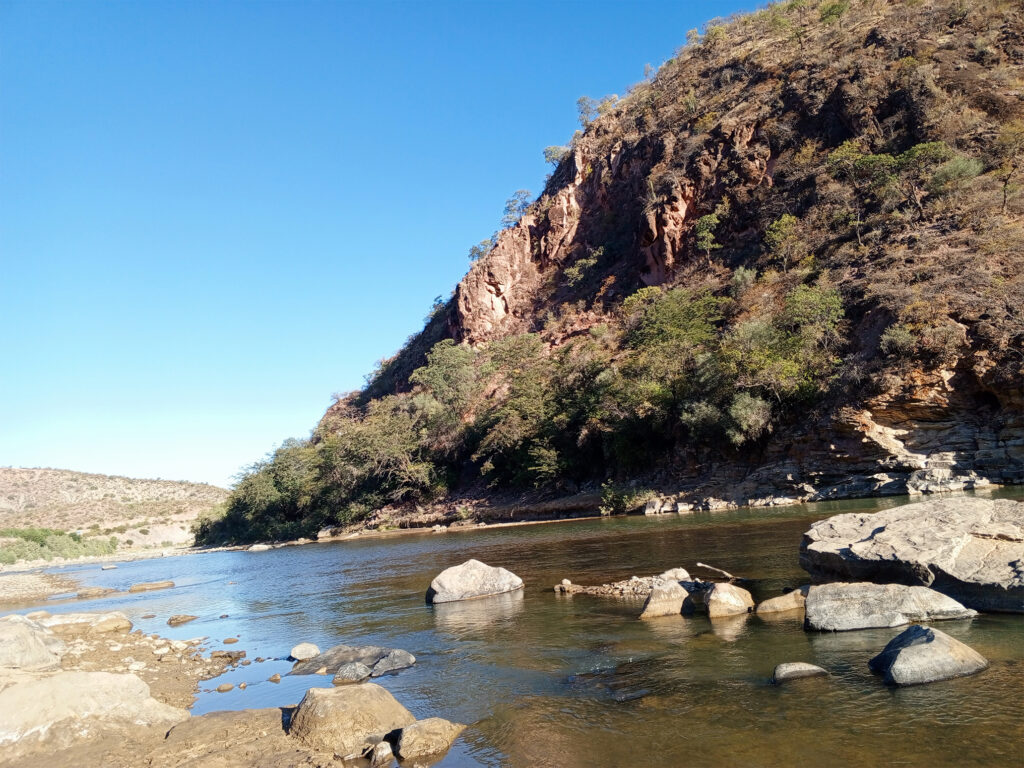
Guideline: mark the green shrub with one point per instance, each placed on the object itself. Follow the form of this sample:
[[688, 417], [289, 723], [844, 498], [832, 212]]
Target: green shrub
[[898, 340]]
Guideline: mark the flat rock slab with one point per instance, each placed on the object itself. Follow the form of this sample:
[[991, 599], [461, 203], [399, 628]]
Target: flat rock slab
[[794, 670], [112, 621], [345, 720], [863, 605], [148, 586], [379, 660], [925, 655], [470, 580], [971, 549]]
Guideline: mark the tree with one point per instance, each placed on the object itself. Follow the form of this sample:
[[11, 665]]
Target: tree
[[555, 154], [515, 207], [482, 248], [1009, 150], [783, 240], [587, 109]]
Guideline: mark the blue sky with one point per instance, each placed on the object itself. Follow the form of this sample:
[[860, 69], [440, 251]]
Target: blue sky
[[214, 215]]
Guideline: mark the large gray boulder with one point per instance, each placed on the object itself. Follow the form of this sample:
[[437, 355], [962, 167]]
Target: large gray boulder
[[470, 580], [56, 711], [971, 549], [863, 605], [348, 719], [925, 655], [667, 598], [28, 645], [427, 737]]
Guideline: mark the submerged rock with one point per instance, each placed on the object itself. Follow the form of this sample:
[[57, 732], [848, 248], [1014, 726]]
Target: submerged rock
[[470, 580], [863, 605], [667, 598], [339, 657], [344, 720], [794, 670], [92, 592], [148, 586], [181, 618], [925, 655], [728, 600], [971, 549], [431, 736], [392, 662]]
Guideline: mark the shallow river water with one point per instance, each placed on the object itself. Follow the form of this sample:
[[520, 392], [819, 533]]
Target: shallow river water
[[552, 680]]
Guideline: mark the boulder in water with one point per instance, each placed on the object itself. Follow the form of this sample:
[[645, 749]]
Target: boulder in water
[[431, 736], [667, 598], [863, 605], [348, 719], [794, 670], [728, 600], [971, 549], [470, 580], [922, 654]]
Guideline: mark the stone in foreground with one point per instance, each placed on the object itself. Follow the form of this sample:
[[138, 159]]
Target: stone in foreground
[[427, 737], [470, 580], [668, 598], [971, 549], [794, 670], [28, 645], [791, 601], [863, 605], [345, 720], [304, 652], [925, 655], [56, 711], [728, 600]]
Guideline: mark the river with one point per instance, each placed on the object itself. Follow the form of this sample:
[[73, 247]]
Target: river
[[553, 680]]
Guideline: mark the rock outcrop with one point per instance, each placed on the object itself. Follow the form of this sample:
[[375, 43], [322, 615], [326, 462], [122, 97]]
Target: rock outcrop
[[925, 655], [471, 580], [971, 549], [863, 605]]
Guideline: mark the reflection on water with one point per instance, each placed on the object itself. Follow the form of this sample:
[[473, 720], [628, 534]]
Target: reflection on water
[[567, 681], [485, 613]]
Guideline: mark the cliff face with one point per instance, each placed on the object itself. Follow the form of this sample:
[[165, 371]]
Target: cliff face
[[640, 177]]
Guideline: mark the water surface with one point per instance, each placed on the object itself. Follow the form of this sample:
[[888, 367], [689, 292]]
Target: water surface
[[553, 680]]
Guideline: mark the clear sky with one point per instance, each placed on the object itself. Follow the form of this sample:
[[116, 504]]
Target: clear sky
[[214, 215]]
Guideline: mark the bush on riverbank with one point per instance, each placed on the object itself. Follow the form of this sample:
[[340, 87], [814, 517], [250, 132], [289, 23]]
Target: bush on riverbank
[[17, 544]]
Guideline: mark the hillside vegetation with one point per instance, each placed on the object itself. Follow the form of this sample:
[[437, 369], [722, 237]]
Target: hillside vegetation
[[40, 507], [789, 265]]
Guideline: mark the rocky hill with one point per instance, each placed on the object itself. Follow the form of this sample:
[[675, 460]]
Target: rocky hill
[[144, 512], [786, 267]]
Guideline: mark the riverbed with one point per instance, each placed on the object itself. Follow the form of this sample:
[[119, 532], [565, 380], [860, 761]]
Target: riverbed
[[555, 680]]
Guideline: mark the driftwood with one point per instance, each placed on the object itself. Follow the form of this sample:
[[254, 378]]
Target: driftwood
[[727, 575]]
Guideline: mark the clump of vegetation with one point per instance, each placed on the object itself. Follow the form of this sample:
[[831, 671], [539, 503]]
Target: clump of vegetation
[[17, 544]]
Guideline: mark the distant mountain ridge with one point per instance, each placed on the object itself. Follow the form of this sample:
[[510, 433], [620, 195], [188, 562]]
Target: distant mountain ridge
[[78, 501]]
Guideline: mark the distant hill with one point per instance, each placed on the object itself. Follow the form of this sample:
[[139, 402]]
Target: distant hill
[[143, 512]]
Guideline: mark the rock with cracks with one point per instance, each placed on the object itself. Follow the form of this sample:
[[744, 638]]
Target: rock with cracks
[[925, 655], [971, 549], [864, 605], [348, 719], [470, 580], [28, 645]]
